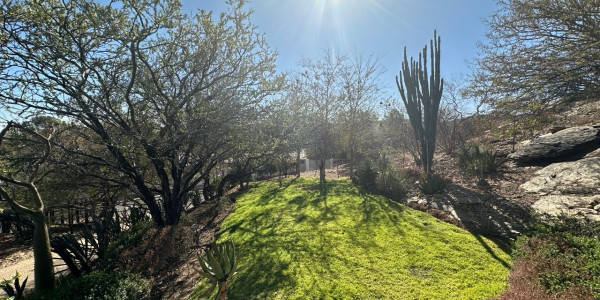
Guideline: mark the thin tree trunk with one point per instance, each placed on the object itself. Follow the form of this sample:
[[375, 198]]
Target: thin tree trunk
[[322, 171], [43, 263], [223, 291]]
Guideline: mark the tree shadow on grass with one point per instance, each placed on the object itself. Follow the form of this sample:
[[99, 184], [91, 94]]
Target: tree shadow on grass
[[288, 241], [372, 204], [491, 251]]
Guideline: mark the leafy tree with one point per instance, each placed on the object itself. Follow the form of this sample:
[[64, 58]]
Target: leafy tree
[[293, 118], [361, 91], [23, 165], [320, 88], [539, 52], [397, 136], [421, 94], [166, 95]]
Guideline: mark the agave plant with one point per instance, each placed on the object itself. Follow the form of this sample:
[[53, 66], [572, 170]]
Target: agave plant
[[218, 266], [14, 290]]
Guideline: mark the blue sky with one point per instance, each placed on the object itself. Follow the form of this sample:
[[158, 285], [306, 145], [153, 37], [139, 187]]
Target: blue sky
[[304, 28]]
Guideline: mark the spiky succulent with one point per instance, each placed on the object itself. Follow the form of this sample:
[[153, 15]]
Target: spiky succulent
[[218, 266], [14, 290]]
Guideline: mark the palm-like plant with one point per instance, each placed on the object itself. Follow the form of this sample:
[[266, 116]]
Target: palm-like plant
[[218, 266], [14, 290]]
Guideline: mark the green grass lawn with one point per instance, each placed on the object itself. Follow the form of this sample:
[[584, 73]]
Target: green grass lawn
[[348, 245]]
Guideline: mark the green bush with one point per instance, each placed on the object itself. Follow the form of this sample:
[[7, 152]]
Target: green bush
[[564, 253], [101, 285], [394, 184], [473, 161], [366, 177], [126, 240], [431, 184]]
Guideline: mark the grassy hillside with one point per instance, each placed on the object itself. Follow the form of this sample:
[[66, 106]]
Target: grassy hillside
[[347, 245]]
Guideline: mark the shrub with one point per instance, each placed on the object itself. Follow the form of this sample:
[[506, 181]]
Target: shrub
[[366, 177], [100, 285], [473, 161], [393, 184], [126, 240], [431, 184], [153, 252], [560, 256], [13, 288]]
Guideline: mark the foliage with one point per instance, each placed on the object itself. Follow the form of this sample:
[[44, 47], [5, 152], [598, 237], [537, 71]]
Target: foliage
[[299, 244], [153, 252], [560, 255], [383, 178], [421, 96], [473, 161], [394, 184], [362, 90], [127, 240], [320, 87], [539, 52], [337, 96], [100, 285], [23, 158], [391, 182], [219, 265], [83, 250], [367, 178], [162, 95], [455, 126], [13, 287], [431, 184]]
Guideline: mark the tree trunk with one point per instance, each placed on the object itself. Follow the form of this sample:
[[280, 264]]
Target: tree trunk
[[298, 164], [223, 291], [351, 162], [206, 189], [155, 211], [322, 171], [44, 265], [173, 210]]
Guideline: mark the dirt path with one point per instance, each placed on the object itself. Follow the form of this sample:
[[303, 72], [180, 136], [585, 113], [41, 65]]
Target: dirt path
[[21, 260]]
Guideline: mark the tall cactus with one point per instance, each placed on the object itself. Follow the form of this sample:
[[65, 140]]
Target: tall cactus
[[421, 94]]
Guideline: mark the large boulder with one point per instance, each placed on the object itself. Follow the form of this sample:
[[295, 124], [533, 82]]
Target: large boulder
[[581, 177], [566, 144], [556, 205], [571, 188]]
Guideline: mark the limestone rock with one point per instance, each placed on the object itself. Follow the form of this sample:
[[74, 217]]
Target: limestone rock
[[556, 205], [559, 146], [570, 188], [578, 177]]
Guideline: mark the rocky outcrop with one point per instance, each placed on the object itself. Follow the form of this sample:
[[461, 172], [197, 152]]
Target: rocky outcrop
[[581, 177], [569, 205], [566, 144], [571, 188]]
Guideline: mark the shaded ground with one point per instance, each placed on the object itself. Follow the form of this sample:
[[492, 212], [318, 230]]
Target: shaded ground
[[18, 257]]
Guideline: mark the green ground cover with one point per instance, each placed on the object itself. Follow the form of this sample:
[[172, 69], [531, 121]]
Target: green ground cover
[[347, 245]]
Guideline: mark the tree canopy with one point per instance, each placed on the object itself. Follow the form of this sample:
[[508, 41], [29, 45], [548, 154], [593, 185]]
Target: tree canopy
[[539, 52], [165, 94]]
